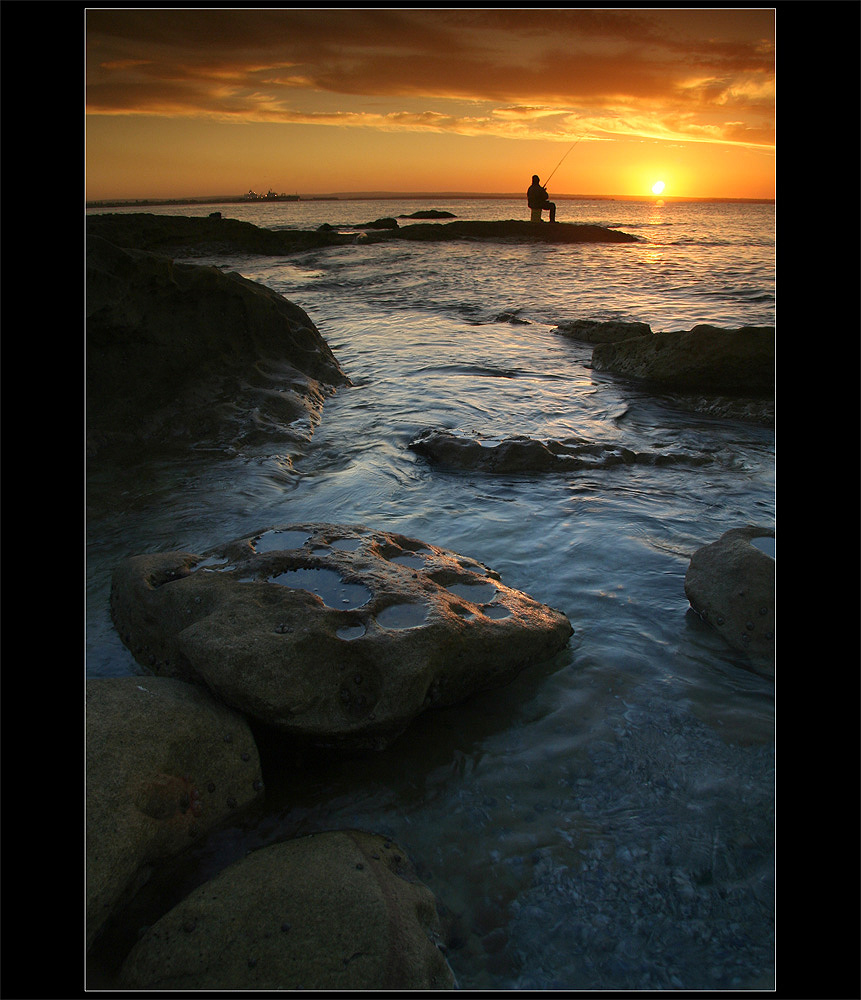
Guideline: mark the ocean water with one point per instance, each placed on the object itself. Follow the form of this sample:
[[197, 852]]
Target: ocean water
[[605, 821]]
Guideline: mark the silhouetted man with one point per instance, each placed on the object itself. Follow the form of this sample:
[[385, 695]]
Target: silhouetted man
[[536, 198]]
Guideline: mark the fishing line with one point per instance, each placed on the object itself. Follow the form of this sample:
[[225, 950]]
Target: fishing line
[[559, 164]]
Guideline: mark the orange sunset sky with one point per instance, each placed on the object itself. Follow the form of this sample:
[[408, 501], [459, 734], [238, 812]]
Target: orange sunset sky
[[207, 102]]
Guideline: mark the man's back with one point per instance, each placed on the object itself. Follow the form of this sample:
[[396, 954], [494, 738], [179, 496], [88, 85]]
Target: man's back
[[536, 196]]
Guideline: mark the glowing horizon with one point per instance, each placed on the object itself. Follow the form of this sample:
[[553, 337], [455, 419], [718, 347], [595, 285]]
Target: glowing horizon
[[208, 102]]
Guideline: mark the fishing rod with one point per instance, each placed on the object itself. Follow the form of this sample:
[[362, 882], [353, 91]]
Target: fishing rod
[[559, 164]]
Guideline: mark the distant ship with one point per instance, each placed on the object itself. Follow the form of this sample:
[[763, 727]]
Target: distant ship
[[270, 196]]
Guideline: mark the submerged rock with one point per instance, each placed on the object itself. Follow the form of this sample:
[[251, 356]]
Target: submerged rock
[[525, 455], [704, 359], [166, 764], [387, 223], [342, 910], [601, 332], [431, 213], [336, 635], [730, 584], [182, 351]]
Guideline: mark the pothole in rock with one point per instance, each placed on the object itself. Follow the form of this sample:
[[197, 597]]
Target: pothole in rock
[[412, 560], [350, 632], [764, 544], [277, 541], [475, 593], [214, 562], [399, 616], [347, 544], [327, 585], [496, 611]]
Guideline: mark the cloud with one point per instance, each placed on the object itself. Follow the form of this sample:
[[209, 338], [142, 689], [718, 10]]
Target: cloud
[[695, 75]]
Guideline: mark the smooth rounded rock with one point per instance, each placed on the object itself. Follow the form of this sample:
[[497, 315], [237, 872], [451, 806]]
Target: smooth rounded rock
[[341, 910], [731, 585], [166, 764]]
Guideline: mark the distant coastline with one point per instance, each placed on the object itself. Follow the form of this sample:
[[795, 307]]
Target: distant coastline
[[399, 196]]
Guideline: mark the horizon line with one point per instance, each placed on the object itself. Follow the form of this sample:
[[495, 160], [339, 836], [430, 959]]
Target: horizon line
[[413, 195]]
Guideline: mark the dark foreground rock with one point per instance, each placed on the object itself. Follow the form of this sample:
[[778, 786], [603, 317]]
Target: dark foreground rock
[[333, 911], [527, 455], [592, 331], [704, 359], [166, 764], [730, 584], [182, 351], [336, 635]]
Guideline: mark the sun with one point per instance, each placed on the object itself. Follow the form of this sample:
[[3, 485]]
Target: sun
[[658, 187]]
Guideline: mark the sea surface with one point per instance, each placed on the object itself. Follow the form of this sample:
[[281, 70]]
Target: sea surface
[[606, 821]]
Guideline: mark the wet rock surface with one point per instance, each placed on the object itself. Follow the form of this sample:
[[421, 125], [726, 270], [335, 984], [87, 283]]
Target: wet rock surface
[[601, 332], [725, 374], [704, 359], [529, 455], [336, 635], [731, 585], [339, 910], [181, 352], [166, 764]]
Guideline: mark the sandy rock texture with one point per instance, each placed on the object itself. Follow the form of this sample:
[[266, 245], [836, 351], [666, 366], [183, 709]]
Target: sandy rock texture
[[342, 910], [165, 765], [338, 635]]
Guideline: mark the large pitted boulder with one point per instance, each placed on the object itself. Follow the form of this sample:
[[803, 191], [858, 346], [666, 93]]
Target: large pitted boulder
[[593, 331], [332, 911], [340, 635], [180, 350], [730, 584], [704, 359], [516, 455], [165, 765]]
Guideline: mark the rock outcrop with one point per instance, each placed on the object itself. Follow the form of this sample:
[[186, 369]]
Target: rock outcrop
[[209, 236], [512, 230], [430, 213], [182, 351], [730, 584], [336, 635], [332, 911], [592, 331], [166, 764], [704, 359], [184, 236], [527, 455]]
